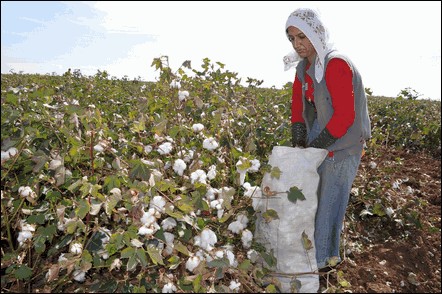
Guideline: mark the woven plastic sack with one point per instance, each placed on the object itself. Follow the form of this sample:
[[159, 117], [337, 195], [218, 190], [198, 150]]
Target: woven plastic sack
[[286, 216]]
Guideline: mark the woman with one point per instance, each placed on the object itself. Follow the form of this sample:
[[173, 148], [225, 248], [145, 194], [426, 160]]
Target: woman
[[329, 111]]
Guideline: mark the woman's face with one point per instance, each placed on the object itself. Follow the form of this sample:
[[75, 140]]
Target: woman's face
[[301, 43]]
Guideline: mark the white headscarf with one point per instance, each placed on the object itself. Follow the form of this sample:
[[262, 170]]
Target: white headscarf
[[309, 22]]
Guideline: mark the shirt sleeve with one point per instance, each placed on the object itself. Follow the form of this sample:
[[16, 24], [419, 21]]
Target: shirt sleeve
[[339, 80], [297, 102]]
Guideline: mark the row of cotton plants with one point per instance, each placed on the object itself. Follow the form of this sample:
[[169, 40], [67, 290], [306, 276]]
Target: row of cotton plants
[[104, 179]]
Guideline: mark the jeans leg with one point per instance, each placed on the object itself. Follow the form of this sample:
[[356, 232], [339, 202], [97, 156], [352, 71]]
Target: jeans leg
[[336, 179]]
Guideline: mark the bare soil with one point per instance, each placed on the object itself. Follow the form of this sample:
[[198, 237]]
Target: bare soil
[[400, 252]]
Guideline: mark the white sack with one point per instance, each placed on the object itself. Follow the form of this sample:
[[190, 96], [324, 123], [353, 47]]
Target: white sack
[[298, 168]]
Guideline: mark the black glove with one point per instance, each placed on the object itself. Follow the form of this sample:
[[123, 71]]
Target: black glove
[[299, 134], [323, 140]]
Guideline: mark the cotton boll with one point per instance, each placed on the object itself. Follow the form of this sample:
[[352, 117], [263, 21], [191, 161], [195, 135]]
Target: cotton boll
[[79, 276], [158, 203], [168, 223], [143, 230], [148, 218], [169, 288], [11, 152], [231, 257], [214, 203], [219, 253], [210, 144], [175, 84], [192, 263], [235, 227], [76, 248], [212, 172], [255, 165], [99, 148], [198, 176], [210, 194], [252, 191], [234, 285], [252, 255], [246, 238], [179, 166], [372, 164], [54, 164], [206, 239], [197, 128], [116, 264], [182, 95], [148, 149], [165, 148], [23, 236], [242, 219], [25, 191]]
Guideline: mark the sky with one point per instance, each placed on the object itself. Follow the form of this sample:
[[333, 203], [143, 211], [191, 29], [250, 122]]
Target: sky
[[394, 44]]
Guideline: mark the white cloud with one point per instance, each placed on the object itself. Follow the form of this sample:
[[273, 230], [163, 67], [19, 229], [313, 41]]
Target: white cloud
[[393, 46]]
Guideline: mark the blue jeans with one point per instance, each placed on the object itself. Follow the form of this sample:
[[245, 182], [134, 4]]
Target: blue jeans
[[336, 179]]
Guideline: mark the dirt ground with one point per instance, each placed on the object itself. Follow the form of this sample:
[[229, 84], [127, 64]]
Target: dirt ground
[[400, 252]]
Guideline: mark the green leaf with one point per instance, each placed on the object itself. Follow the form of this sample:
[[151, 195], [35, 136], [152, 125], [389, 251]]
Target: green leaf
[[141, 254], [270, 259], [23, 272], [306, 242], [270, 289], [40, 159], [83, 208], [270, 215], [181, 248], [197, 283], [295, 194], [34, 219], [127, 252], [245, 266], [275, 172], [219, 262], [174, 214], [139, 170], [155, 255], [132, 263], [39, 244], [378, 209]]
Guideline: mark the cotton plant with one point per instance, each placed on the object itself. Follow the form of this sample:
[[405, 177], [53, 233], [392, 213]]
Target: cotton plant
[[206, 240], [175, 84], [76, 248], [149, 223], [244, 165], [192, 263], [11, 152], [228, 253], [211, 174], [28, 193], [79, 275], [179, 166], [210, 144], [183, 95], [255, 193], [197, 128], [246, 238], [165, 148], [234, 286], [168, 224], [168, 250], [186, 155], [198, 176], [26, 233], [239, 224], [169, 288]]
